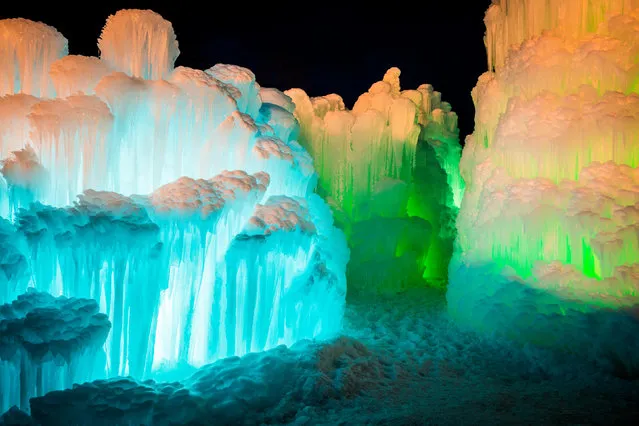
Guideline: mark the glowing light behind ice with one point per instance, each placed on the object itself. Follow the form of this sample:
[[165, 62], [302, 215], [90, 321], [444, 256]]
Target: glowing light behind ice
[[548, 225], [139, 43], [511, 22], [145, 181], [369, 161], [77, 75], [27, 50]]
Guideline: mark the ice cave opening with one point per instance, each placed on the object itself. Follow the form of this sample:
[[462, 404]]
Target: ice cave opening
[[180, 244]]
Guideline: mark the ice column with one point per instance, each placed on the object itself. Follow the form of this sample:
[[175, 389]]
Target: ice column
[[104, 248], [47, 344], [70, 138], [284, 279], [547, 232], [371, 163], [27, 50], [198, 220], [139, 43], [14, 263]]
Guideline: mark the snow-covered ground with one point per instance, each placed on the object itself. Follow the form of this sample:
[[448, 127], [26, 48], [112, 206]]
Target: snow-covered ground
[[436, 373], [400, 361]]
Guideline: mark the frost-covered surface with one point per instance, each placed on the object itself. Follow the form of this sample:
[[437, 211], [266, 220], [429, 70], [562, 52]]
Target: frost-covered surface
[[48, 343], [140, 43], [14, 262], [27, 50], [130, 182], [77, 75], [119, 122], [406, 363], [378, 164], [547, 245], [195, 271]]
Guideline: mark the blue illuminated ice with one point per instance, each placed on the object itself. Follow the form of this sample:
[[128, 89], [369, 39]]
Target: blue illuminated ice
[[47, 344], [178, 199]]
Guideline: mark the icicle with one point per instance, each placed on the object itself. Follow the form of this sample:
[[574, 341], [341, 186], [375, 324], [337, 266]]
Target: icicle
[[198, 219], [139, 43], [548, 226], [373, 164], [69, 136], [77, 75], [27, 50]]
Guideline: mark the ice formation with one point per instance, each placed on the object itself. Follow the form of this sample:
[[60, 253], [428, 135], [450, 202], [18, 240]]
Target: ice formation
[[27, 50], [547, 232], [47, 344], [382, 165], [177, 199], [139, 43], [269, 387]]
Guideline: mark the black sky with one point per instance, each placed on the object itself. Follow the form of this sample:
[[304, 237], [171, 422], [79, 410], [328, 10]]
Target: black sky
[[319, 48]]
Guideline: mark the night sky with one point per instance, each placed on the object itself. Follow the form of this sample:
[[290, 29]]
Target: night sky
[[319, 48]]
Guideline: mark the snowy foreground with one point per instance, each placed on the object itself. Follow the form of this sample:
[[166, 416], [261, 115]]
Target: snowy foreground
[[401, 361]]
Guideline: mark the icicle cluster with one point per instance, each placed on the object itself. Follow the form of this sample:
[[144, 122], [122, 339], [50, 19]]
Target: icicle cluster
[[27, 50], [372, 167], [129, 122], [511, 22], [48, 344], [550, 217], [140, 43], [144, 187]]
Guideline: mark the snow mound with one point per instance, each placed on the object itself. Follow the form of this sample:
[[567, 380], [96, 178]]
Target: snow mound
[[268, 387]]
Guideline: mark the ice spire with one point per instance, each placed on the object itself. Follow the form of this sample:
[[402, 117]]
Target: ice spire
[[139, 43], [27, 50], [548, 225], [371, 163]]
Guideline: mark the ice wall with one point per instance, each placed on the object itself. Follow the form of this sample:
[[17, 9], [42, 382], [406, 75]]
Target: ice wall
[[373, 166], [265, 294], [14, 263], [47, 344], [135, 184], [547, 245], [135, 113], [104, 248]]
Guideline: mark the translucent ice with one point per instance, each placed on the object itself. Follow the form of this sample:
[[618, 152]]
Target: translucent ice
[[77, 75], [135, 183], [27, 50], [140, 43], [548, 223], [373, 166], [103, 248], [46, 344]]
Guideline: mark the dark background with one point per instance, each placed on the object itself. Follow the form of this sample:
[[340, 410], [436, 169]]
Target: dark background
[[318, 47]]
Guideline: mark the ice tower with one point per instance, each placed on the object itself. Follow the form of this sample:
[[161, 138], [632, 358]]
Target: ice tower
[[177, 200], [547, 248], [389, 168]]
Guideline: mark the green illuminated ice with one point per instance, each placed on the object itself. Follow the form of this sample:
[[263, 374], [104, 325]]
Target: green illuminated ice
[[390, 169], [547, 248]]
